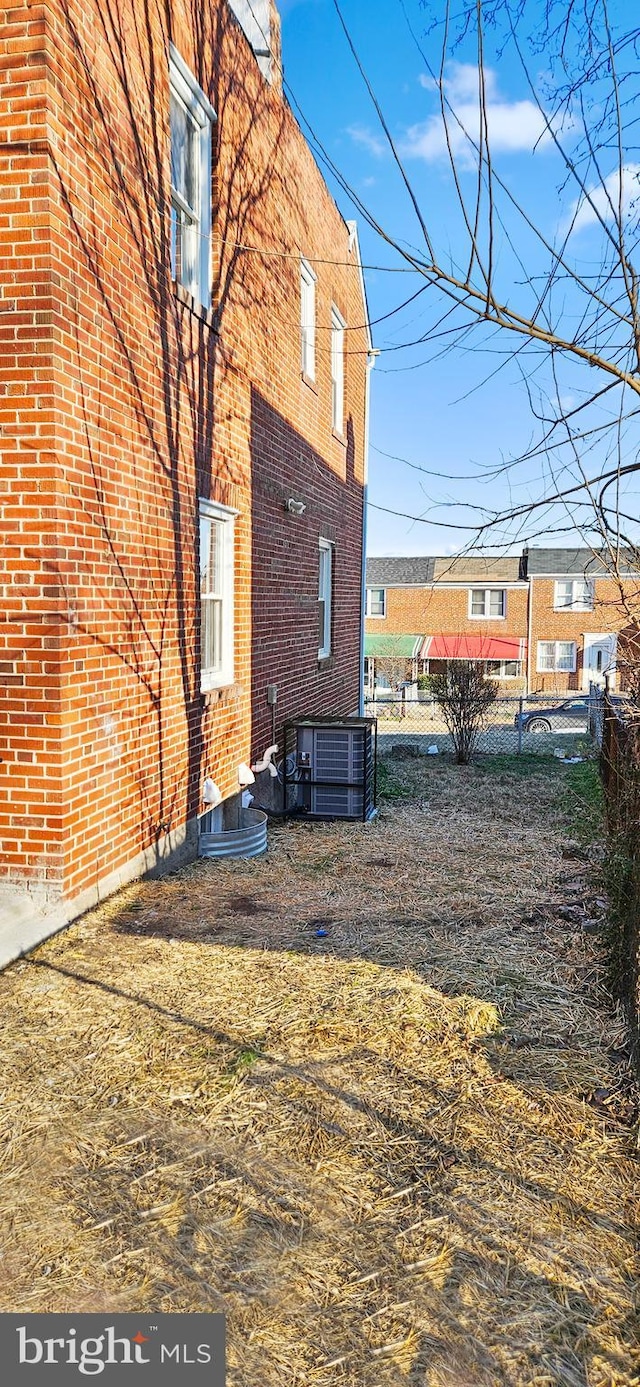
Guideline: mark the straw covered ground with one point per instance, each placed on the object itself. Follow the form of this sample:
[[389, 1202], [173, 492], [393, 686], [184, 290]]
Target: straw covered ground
[[399, 1151]]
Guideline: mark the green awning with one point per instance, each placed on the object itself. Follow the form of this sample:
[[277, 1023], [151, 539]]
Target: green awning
[[392, 647]]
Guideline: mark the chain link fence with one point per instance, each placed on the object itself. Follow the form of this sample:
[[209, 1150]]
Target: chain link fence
[[563, 725]]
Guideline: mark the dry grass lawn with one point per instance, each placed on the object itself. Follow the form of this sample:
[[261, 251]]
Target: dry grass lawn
[[397, 1153]]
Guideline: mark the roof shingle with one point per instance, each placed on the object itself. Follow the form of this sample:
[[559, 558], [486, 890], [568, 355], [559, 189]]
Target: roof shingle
[[572, 562], [401, 572]]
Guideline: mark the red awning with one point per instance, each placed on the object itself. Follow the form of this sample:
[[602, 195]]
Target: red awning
[[472, 647]]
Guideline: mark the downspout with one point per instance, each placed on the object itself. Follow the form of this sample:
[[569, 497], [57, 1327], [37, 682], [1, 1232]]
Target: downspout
[[371, 361], [529, 633]]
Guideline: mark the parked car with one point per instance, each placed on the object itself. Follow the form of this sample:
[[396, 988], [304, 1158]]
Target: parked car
[[570, 716]]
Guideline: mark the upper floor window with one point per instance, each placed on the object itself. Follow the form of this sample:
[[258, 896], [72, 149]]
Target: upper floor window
[[191, 117], [337, 371], [556, 655], [325, 594], [216, 595], [490, 603], [376, 602], [573, 595], [308, 319]]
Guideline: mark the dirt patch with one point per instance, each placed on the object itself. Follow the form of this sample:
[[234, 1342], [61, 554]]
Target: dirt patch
[[396, 1153]]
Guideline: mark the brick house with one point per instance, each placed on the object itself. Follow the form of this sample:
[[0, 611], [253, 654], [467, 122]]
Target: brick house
[[545, 622], [450, 608], [575, 614], [183, 432]]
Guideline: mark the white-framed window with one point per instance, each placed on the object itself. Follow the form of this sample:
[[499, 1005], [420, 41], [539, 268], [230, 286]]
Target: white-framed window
[[216, 595], [504, 669], [190, 119], [325, 593], [490, 603], [337, 370], [573, 595], [556, 655], [376, 604], [308, 319]]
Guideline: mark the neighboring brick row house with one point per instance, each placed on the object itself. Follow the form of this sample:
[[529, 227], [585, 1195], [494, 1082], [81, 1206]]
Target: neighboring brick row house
[[183, 436], [547, 620]]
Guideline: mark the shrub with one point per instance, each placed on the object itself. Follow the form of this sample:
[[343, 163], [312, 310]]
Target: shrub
[[465, 697]]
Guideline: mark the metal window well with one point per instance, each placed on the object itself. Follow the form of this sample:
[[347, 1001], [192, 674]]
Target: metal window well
[[249, 840], [330, 768]]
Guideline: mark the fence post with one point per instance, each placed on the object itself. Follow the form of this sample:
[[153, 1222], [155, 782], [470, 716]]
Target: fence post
[[520, 711]]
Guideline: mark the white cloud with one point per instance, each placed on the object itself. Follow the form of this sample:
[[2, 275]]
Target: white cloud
[[513, 125], [604, 199], [361, 135]]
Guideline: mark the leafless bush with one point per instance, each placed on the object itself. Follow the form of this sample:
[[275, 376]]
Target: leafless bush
[[465, 697]]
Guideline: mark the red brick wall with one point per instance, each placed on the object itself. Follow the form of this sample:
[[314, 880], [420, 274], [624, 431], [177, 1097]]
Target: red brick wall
[[132, 403], [547, 624], [30, 707], [442, 610]]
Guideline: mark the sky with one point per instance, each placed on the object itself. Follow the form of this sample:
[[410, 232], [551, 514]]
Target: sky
[[459, 409]]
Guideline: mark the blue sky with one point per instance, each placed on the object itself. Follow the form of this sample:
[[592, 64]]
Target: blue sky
[[431, 407]]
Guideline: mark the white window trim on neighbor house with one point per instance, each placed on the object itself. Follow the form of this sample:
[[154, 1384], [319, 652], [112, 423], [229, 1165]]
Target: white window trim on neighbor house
[[191, 225], [486, 614], [579, 598], [376, 616], [308, 320], [501, 672], [338, 326], [558, 662], [325, 596], [218, 673]]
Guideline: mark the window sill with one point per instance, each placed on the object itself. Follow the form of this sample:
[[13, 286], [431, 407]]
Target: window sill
[[574, 611], [339, 437], [325, 662], [219, 693], [308, 380], [474, 617], [187, 300]]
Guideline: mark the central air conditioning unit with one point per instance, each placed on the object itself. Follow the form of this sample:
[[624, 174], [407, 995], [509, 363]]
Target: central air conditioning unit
[[329, 769]]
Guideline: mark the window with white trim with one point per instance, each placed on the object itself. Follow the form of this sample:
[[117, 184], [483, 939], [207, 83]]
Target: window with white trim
[[308, 319], [325, 592], [376, 603], [503, 669], [556, 656], [216, 595], [490, 603], [190, 118], [573, 595], [337, 370]]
